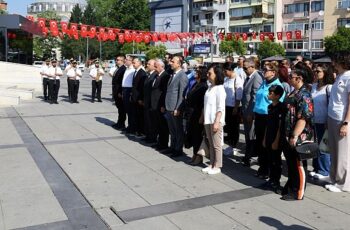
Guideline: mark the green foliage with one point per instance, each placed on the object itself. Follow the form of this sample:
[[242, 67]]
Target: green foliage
[[268, 48], [338, 42], [76, 15], [2, 11], [229, 47], [137, 48], [156, 52], [226, 47], [43, 47]]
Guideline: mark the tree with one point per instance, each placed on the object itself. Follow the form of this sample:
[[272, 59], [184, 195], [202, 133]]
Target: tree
[[268, 48], [239, 47], [43, 47], [226, 47], [156, 52], [339, 42]]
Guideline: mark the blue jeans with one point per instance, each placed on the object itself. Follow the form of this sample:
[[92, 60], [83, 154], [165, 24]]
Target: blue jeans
[[323, 161]]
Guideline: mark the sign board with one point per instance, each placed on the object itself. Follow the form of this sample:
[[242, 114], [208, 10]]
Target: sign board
[[201, 48]]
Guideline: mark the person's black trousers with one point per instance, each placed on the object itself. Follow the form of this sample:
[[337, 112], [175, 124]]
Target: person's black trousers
[[74, 89], [54, 87], [69, 90], [118, 101], [232, 126], [260, 126], [96, 90], [275, 164], [196, 135], [161, 128], [296, 183], [45, 88], [150, 125]]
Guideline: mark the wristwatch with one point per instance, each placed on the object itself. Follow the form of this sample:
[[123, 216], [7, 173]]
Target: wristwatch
[[345, 123]]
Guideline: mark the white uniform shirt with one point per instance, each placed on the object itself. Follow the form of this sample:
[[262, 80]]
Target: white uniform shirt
[[112, 70], [52, 70], [234, 90], [319, 98], [93, 73], [71, 73], [214, 101], [44, 69], [339, 100], [240, 72], [128, 77]]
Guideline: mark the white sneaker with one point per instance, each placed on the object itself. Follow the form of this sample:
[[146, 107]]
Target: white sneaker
[[235, 152], [322, 178], [214, 171], [312, 174], [207, 169], [333, 188]]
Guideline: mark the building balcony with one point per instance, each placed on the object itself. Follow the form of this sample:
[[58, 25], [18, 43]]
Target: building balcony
[[206, 22], [298, 15], [255, 16], [250, 3]]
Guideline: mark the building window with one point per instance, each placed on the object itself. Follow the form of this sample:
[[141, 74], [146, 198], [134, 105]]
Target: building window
[[296, 26], [195, 18], [222, 2], [267, 28], [296, 8], [317, 6], [239, 1], [317, 25], [208, 16], [241, 12], [343, 22], [221, 15], [317, 44], [47, 7], [63, 8], [54, 7], [240, 29], [296, 45], [343, 4]]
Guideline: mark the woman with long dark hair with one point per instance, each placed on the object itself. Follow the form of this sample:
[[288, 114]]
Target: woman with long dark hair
[[298, 128]]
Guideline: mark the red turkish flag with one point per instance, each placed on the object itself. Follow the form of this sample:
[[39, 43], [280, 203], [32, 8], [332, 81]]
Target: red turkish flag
[[54, 33], [53, 25], [262, 36], [163, 37], [128, 37], [41, 22], [30, 18], [111, 34], [147, 38], [254, 35], [279, 35], [64, 27], [138, 38], [154, 37], [229, 36], [121, 38], [289, 35], [238, 36], [298, 34], [221, 36], [101, 30], [76, 36], [271, 36], [92, 32], [83, 31], [105, 37], [74, 29], [245, 36]]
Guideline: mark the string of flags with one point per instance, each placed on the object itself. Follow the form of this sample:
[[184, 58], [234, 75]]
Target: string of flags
[[73, 30]]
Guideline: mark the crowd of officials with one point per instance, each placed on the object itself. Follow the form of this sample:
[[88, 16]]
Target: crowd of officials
[[281, 105]]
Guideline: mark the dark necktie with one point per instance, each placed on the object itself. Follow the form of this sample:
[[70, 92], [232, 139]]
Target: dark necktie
[[133, 76]]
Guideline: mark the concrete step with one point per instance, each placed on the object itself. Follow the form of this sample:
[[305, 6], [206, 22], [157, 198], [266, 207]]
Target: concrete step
[[6, 100]]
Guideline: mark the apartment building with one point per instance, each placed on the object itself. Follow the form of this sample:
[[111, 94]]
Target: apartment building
[[308, 17], [336, 14], [248, 16]]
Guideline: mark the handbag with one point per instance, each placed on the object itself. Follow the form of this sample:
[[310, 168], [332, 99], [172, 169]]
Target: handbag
[[307, 150], [324, 143]]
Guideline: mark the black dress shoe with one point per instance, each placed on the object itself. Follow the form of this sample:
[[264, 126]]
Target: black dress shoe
[[92, 101], [161, 148], [100, 100], [289, 197], [167, 151], [56, 102], [176, 154], [246, 162]]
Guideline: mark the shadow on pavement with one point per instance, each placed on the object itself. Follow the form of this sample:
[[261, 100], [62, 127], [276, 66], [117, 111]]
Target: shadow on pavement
[[279, 225], [105, 121]]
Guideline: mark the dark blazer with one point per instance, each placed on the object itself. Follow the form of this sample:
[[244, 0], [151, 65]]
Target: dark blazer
[[175, 91], [159, 88], [195, 100], [137, 85], [147, 89], [117, 79], [250, 87]]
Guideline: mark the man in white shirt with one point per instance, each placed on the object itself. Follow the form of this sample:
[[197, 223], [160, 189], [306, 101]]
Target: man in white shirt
[[44, 72], [68, 67], [54, 74], [96, 75], [127, 85], [239, 69], [74, 74]]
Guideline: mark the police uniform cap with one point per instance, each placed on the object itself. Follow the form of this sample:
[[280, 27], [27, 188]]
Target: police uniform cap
[[54, 61], [74, 61]]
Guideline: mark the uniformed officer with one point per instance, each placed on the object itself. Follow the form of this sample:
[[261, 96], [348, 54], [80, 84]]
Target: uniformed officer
[[74, 75], [96, 75], [44, 75], [54, 74]]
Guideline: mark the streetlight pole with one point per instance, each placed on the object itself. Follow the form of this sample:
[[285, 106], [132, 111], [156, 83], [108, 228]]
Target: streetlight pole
[[100, 51], [87, 48], [310, 31]]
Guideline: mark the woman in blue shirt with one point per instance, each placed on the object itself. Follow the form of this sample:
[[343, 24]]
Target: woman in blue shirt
[[260, 112]]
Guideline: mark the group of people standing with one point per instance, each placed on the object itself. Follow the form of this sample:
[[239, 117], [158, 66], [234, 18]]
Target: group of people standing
[[280, 104]]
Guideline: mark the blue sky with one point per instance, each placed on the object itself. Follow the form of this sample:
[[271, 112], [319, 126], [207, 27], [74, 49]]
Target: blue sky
[[18, 6]]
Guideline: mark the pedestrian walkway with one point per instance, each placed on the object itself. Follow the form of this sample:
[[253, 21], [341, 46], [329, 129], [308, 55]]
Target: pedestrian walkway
[[64, 167]]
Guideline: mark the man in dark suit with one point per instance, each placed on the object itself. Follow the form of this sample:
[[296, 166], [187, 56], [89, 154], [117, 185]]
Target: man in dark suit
[[137, 98], [159, 88], [173, 99], [149, 128], [117, 80], [251, 85]]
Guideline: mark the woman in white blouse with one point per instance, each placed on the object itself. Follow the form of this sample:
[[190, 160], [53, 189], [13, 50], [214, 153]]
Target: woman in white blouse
[[214, 118], [234, 90], [320, 92]]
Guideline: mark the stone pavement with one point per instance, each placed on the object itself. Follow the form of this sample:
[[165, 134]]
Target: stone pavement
[[63, 167]]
